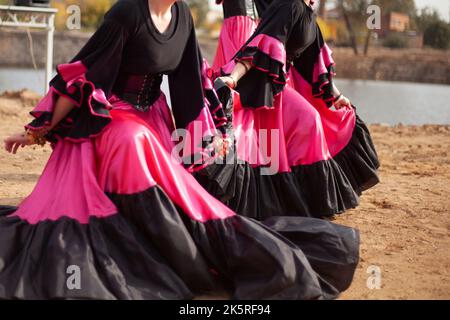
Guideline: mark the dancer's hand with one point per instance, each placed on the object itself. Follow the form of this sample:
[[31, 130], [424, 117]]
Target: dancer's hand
[[222, 146], [240, 69], [342, 102], [229, 81], [15, 141]]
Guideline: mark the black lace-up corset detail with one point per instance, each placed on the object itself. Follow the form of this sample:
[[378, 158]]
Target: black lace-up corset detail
[[141, 91]]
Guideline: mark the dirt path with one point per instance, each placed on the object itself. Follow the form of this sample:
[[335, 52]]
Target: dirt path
[[404, 221]]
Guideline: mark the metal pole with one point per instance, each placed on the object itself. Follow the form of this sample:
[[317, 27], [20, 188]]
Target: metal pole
[[49, 60]]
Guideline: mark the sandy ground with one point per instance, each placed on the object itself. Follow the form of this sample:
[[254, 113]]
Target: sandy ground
[[404, 221]]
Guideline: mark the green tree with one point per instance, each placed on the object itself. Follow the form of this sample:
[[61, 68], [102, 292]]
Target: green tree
[[436, 33], [354, 15], [395, 41], [426, 17]]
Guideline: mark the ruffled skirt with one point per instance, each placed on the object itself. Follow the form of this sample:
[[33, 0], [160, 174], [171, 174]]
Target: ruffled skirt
[[114, 217], [298, 159], [234, 33]]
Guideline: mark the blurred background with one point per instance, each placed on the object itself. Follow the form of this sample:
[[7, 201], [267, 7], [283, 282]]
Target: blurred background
[[399, 73]]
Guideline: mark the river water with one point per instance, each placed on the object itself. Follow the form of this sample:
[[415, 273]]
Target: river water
[[376, 101]]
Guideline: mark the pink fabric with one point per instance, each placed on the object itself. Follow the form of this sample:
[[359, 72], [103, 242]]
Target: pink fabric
[[207, 76], [204, 126], [233, 35], [72, 71], [252, 145], [275, 49], [338, 125], [158, 117], [131, 160], [48, 102], [130, 156], [308, 131], [325, 60], [304, 132], [74, 76], [208, 85], [201, 127], [300, 140], [68, 187], [268, 45]]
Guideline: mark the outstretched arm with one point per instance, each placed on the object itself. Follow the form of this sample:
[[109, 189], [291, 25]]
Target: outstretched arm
[[25, 138], [241, 68]]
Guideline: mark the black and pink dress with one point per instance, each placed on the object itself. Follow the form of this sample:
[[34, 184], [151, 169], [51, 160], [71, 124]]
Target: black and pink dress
[[113, 204], [296, 155], [240, 21]]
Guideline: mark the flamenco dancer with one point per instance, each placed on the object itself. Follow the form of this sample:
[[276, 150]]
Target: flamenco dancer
[[113, 204], [317, 157]]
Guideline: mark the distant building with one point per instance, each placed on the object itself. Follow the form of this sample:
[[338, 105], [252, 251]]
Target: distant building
[[394, 22], [400, 23]]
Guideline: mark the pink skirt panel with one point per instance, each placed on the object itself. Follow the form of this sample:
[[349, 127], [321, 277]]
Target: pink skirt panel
[[158, 117], [259, 134], [68, 187], [295, 134], [131, 159], [131, 155], [338, 125], [235, 32]]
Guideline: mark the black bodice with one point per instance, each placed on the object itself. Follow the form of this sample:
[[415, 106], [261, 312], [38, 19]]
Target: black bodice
[[141, 91], [303, 34]]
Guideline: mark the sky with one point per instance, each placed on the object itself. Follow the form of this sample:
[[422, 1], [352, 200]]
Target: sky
[[443, 6]]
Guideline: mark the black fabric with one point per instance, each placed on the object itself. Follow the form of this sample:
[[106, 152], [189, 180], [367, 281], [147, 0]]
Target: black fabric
[[151, 250], [304, 33], [359, 159], [321, 189], [267, 78], [140, 91], [280, 19], [147, 51], [261, 84], [186, 86], [233, 8], [127, 44], [115, 261], [102, 57], [293, 23], [262, 5], [342, 238], [221, 93], [304, 63]]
